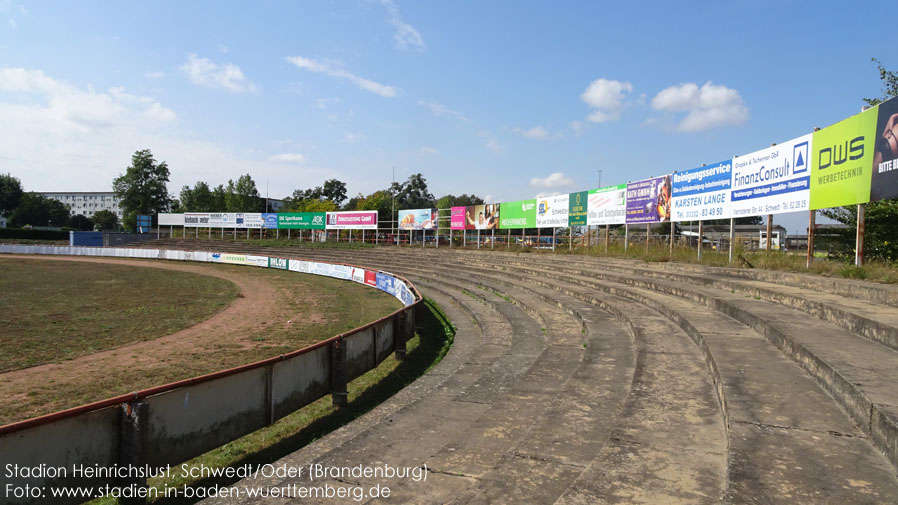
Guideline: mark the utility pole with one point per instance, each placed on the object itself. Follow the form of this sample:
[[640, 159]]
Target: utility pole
[[393, 205], [600, 178]]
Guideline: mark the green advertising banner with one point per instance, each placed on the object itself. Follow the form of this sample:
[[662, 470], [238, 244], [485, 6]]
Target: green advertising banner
[[301, 221], [519, 214], [577, 205], [842, 162]]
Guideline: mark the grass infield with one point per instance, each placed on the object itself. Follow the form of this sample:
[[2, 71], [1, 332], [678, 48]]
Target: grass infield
[[59, 310]]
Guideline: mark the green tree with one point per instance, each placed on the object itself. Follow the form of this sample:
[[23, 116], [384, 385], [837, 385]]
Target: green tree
[[142, 188], [880, 217], [198, 199], [219, 199], [458, 201], [10, 193], [80, 222], [335, 191], [37, 210], [105, 219], [413, 193], [243, 196], [379, 201]]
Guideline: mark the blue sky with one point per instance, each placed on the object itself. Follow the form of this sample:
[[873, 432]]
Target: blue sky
[[506, 100]]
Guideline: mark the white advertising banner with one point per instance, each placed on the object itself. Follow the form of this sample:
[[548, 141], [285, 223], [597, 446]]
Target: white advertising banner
[[607, 205], [552, 211], [257, 261], [300, 266], [169, 219], [772, 180]]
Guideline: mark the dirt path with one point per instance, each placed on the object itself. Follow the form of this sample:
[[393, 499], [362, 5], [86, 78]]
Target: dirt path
[[228, 327]]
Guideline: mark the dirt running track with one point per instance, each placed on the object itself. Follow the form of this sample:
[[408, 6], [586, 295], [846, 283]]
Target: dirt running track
[[581, 381], [229, 325]]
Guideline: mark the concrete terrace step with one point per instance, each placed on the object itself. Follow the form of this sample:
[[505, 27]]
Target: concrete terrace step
[[684, 379]]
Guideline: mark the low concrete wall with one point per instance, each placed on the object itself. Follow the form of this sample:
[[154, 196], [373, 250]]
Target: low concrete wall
[[176, 422]]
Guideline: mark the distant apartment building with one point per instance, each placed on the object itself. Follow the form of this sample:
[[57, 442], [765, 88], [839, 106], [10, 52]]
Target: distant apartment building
[[87, 203]]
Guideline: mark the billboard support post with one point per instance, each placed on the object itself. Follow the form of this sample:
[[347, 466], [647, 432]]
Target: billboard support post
[[648, 233], [812, 218], [672, 230], [859, 243], [607, 236], [492, 239], [769, 231], [626, 236], [701, 237], [508, 240], [732, 237], [553, 239], [478, 239], [450, 238]]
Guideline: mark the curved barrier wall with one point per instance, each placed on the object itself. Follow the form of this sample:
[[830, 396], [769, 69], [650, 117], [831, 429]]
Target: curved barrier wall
[[169, 424]]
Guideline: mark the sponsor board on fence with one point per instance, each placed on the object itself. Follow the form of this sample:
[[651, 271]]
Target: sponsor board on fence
[[842, 161], [385, 283], [457, 218], [279, 263], [257, 261], [702, 193], [301, 220], [482, 217], [577, 208], [270, 220], [371, 278], [417, 219], [169, 219], [300, 266], [358, 275], [607, 205], [773, 180], [648, 200], [234, 259], [884, 172], [520, 214], [552, 211], [197, 220], [354, 220]]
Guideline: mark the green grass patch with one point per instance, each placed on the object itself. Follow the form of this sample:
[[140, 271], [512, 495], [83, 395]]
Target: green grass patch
[[59, 310]]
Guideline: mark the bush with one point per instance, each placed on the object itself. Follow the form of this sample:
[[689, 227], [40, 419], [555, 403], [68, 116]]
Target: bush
[[21, 233]]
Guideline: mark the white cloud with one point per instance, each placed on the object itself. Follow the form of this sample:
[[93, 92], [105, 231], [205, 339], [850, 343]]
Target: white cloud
[[323, 103], [351, 138], [429, 151], [440, 110], [553, 180], [287, 158], [538, 133], [577, 127], [207, 73], [223, 49], [13, 24], [490, 143], [338, 71], [155, 75], [706, 107], [405, 37], [607, 97]]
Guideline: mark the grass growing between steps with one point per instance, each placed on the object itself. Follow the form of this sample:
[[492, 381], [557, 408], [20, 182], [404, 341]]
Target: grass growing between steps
[[433, 338]]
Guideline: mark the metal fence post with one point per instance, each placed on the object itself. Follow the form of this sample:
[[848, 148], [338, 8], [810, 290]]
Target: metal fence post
[[133, 432], [339, 395]]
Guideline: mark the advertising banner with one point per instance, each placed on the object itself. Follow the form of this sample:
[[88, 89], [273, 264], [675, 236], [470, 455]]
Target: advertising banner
[[457, 218], [301, 220], [279, 263], [358, 275], [842, 162], [577, 208], [300, 266], [169, 219], [234, 259], [225, 220], [256, 261], [702, 193], [773, 180], [270, 220], [648, 200], [885, 151], [482, 217], [417, 219], [607, 205], [385, 283], [370, 278], [353, 220], [253, 220], [519, 214], [197, 220], [552, 211]]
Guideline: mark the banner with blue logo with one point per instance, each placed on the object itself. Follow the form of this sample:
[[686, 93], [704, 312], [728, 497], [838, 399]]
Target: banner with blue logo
[[702, 193], [773, 180]]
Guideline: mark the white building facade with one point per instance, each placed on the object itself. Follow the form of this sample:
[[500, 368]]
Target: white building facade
[[87, 203]]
